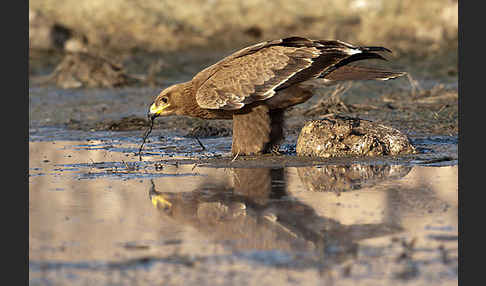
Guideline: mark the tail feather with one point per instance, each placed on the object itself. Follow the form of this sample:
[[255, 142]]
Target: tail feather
[[361, 73], [333, 58]]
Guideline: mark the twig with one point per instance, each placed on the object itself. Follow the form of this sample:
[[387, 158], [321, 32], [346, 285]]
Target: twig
[[436, 114], [331, 99], [145, 136], [236, 156], [200, 144], [415, 85]]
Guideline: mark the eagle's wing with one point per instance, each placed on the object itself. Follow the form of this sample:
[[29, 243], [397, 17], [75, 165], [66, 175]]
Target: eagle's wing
[[257, 72]]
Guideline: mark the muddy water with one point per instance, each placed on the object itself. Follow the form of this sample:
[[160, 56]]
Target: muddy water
[[97, 215]]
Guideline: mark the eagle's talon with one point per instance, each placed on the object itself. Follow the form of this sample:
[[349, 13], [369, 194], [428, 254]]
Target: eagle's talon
[[275, 150]]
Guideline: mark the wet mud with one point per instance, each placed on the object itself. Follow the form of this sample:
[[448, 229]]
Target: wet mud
[[196, 215]]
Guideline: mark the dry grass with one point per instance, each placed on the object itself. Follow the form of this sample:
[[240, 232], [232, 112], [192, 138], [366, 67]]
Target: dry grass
[[164, 25], [330, 103]]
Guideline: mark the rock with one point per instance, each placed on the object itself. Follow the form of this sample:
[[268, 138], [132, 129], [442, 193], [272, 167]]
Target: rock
[[47, 35], [345, 136], [88, 70]]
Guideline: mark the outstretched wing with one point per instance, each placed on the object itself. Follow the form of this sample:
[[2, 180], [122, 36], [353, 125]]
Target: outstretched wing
[[258, 72]]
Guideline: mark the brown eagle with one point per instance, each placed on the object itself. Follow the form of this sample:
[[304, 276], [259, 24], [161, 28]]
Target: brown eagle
[[254, 86]]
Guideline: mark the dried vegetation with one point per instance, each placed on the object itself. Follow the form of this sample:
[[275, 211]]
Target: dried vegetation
[[163, 25]]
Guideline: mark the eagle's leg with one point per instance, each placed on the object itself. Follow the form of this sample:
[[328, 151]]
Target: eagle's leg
[[256, 183], [256, 131], [276, 133]]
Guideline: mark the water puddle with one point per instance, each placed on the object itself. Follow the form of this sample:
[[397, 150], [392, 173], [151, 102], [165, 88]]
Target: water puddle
[[96, 212]]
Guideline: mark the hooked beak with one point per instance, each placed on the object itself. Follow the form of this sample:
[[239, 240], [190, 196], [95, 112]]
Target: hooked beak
[[151, 116], [158, 110], [154, 111], [158, 199]]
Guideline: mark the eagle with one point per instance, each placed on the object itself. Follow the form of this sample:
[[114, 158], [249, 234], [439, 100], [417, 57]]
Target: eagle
[[255, 85]]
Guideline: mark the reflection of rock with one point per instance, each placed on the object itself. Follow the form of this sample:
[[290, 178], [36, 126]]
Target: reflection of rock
[[87, 70], [257, 214], [345, 136], [351, 177]]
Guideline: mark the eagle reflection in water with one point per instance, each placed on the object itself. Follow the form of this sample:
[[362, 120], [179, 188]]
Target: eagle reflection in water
[[257, 213]]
